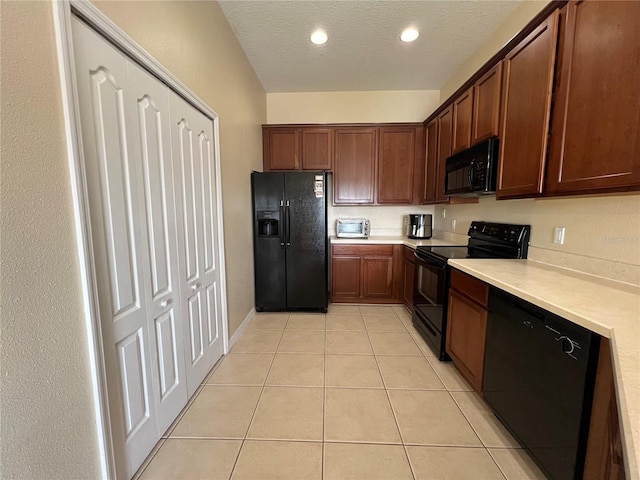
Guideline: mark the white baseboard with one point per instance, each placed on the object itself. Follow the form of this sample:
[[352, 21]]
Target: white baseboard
[[243, 326]]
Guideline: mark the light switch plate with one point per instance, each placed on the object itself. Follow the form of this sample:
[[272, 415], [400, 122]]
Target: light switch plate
[[558, 235]]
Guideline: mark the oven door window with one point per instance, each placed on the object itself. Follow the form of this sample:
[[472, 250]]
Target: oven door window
[[429, 292]]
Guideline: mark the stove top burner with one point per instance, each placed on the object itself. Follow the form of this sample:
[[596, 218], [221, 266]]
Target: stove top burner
[[448, 252], [486, 240]]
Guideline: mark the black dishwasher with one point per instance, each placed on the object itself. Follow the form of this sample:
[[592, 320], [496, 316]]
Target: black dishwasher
[[539, 375]]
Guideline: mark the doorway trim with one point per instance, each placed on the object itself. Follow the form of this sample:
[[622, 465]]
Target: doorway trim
[[63, 11]]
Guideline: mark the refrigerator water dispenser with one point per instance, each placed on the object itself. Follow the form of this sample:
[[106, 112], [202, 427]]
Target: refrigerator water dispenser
[[268, 222]]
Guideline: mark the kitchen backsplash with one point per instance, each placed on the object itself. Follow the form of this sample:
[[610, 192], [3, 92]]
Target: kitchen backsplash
[[602, 233], [385, 220]]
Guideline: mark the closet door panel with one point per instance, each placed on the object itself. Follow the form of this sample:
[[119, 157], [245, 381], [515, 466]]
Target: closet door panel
[[151, 147], [114, 186], [193, 144]]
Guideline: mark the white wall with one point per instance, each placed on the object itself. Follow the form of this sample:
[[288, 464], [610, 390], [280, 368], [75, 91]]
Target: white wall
[[48, 428]]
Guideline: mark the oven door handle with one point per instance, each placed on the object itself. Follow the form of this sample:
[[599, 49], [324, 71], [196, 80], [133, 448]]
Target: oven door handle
[[430, 262]]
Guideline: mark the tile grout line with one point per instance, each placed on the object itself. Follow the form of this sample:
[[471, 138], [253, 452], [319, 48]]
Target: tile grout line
[[393, 412], [324, 396], [497, 464], [166, 435], [255, 409]]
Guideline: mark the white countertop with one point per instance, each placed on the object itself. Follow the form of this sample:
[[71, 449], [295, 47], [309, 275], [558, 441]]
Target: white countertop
[[393, 240], [608, 308]]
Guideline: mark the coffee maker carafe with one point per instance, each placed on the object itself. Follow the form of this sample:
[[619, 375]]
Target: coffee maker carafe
[[419, 225]]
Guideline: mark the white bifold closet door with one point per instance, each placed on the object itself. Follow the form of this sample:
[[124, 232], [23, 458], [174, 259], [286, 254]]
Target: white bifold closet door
[[149, 164], [193, 154]]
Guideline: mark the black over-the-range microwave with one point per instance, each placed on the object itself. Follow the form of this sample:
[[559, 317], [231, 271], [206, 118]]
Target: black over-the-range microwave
[[473, 171]]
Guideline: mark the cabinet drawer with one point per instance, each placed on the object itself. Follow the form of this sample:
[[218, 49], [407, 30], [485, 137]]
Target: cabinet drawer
[[471, 287], [383, 250], [410, 254]]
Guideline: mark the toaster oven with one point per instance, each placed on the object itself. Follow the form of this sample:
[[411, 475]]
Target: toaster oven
[[353, 228]]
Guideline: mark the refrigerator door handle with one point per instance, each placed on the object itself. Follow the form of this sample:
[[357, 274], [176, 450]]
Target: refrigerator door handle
[[282, 230], [288, 224]]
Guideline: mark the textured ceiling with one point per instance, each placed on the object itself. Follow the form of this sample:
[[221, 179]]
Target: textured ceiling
[[364, 51]]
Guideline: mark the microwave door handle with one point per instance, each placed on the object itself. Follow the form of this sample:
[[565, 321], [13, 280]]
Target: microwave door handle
[[472, 174], [282, 224]]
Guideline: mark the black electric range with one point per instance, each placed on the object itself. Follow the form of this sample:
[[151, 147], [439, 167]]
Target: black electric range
[[431, 281]]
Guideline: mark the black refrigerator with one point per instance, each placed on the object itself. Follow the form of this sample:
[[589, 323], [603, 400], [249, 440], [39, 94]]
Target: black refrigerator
[[290, 243]]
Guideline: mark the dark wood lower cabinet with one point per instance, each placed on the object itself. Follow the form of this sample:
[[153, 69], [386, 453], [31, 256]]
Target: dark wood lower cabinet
[[345, 276], [604, 449], [467, 326], [366, 273]]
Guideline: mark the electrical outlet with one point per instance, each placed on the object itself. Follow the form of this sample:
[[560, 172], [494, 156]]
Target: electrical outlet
[[453, 224], [444, 213], [558, 235]]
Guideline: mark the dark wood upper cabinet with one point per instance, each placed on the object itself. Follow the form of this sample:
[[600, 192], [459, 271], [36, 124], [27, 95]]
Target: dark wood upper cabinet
[[445, 131], [524, 124], [317, 148], [291, 148], [281, 148], [462, 115], [431, 161], [486, 105], [396, 164], [354, 165], [595, 136]]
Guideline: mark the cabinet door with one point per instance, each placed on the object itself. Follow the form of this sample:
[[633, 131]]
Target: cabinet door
[[444, 150], [345, 276], [431, 160], [408, 283], [317, 148], [281, 148], [396, 163], [604, 457], [596, 120], [524, 125], [462, 114], [377, 274], [486, 105], [354, 165], [466, 333]]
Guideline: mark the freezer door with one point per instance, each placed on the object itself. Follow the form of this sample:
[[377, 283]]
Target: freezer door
[[306, 240], [268, 241]]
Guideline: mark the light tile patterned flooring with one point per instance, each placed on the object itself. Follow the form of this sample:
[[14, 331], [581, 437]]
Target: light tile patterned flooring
[[354, 394]]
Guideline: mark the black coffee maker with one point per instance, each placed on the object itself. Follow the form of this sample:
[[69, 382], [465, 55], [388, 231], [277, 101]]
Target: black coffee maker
[[419, 225]]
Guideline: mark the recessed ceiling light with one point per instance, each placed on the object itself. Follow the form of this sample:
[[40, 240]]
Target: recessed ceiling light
[[319, 37], [409, 35]]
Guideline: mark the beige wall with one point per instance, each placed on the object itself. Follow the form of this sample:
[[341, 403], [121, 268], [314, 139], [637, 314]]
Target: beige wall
[[48, 425], [511, 26], [351, 107], [602, 233]]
